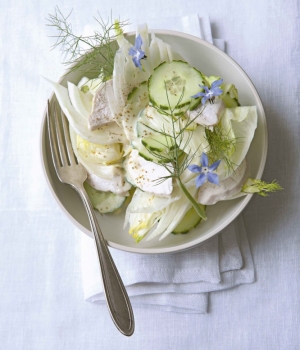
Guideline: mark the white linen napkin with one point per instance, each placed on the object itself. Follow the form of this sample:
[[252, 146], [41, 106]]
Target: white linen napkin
[[178, 282]]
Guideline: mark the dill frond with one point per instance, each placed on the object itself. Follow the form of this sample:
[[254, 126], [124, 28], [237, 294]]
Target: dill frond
[[174, 159], [177, 140], [221, 146], [91, 54], [261, 187]]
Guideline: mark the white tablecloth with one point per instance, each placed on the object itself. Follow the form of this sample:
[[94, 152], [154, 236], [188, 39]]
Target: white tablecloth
[[41, 300]]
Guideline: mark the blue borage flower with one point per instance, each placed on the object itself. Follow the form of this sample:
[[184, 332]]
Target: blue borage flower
[[136, 52], [209, 94], [205, 171]]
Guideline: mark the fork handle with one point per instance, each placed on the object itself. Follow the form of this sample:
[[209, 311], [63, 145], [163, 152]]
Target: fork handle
[[116, 296]]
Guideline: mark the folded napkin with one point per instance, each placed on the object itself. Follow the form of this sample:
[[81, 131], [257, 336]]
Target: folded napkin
[[178, 282]]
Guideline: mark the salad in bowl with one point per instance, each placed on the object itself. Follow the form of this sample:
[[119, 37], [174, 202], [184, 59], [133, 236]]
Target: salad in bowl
[[161, 139]]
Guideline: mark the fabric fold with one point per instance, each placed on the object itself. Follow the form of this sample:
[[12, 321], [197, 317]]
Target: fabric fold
[[189, 276]]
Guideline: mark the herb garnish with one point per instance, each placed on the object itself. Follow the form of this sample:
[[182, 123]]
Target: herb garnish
[[93, 53], [221, 146], [261, 187], [174, 159]]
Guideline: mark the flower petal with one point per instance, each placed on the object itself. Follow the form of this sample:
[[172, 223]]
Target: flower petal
[[138, 42], [214, 165], [217, 91], [213, 178], [200, 180], [198, 95], [204, 99], [216, 83], [206, 89], [204, 159], [195, 168], [132, 51]]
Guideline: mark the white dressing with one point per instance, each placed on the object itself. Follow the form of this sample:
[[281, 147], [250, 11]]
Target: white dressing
[[209, 114], [144, 175], [117, 184]]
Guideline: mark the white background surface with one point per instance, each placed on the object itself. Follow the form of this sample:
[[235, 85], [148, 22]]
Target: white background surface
[[41, 299]]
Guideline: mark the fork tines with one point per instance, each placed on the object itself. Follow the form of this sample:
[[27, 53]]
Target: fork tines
[[60, 143]]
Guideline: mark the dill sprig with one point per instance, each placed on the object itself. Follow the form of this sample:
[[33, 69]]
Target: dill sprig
[[173, 158], [94, 53], [261, 187], [175, 143], [221, 146]]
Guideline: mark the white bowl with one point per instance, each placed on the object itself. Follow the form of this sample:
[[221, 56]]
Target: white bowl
[[211, 61]]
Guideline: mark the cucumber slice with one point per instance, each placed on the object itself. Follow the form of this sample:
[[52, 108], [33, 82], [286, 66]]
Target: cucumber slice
[[152, 140], [230, 95], [104, 202], [157, 142], [162, 156], [139, 93], [189, 221], [230, 102], [144, 152], [178, 78]]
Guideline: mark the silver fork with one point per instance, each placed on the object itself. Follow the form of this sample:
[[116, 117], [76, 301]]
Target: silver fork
[[73, 173]]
